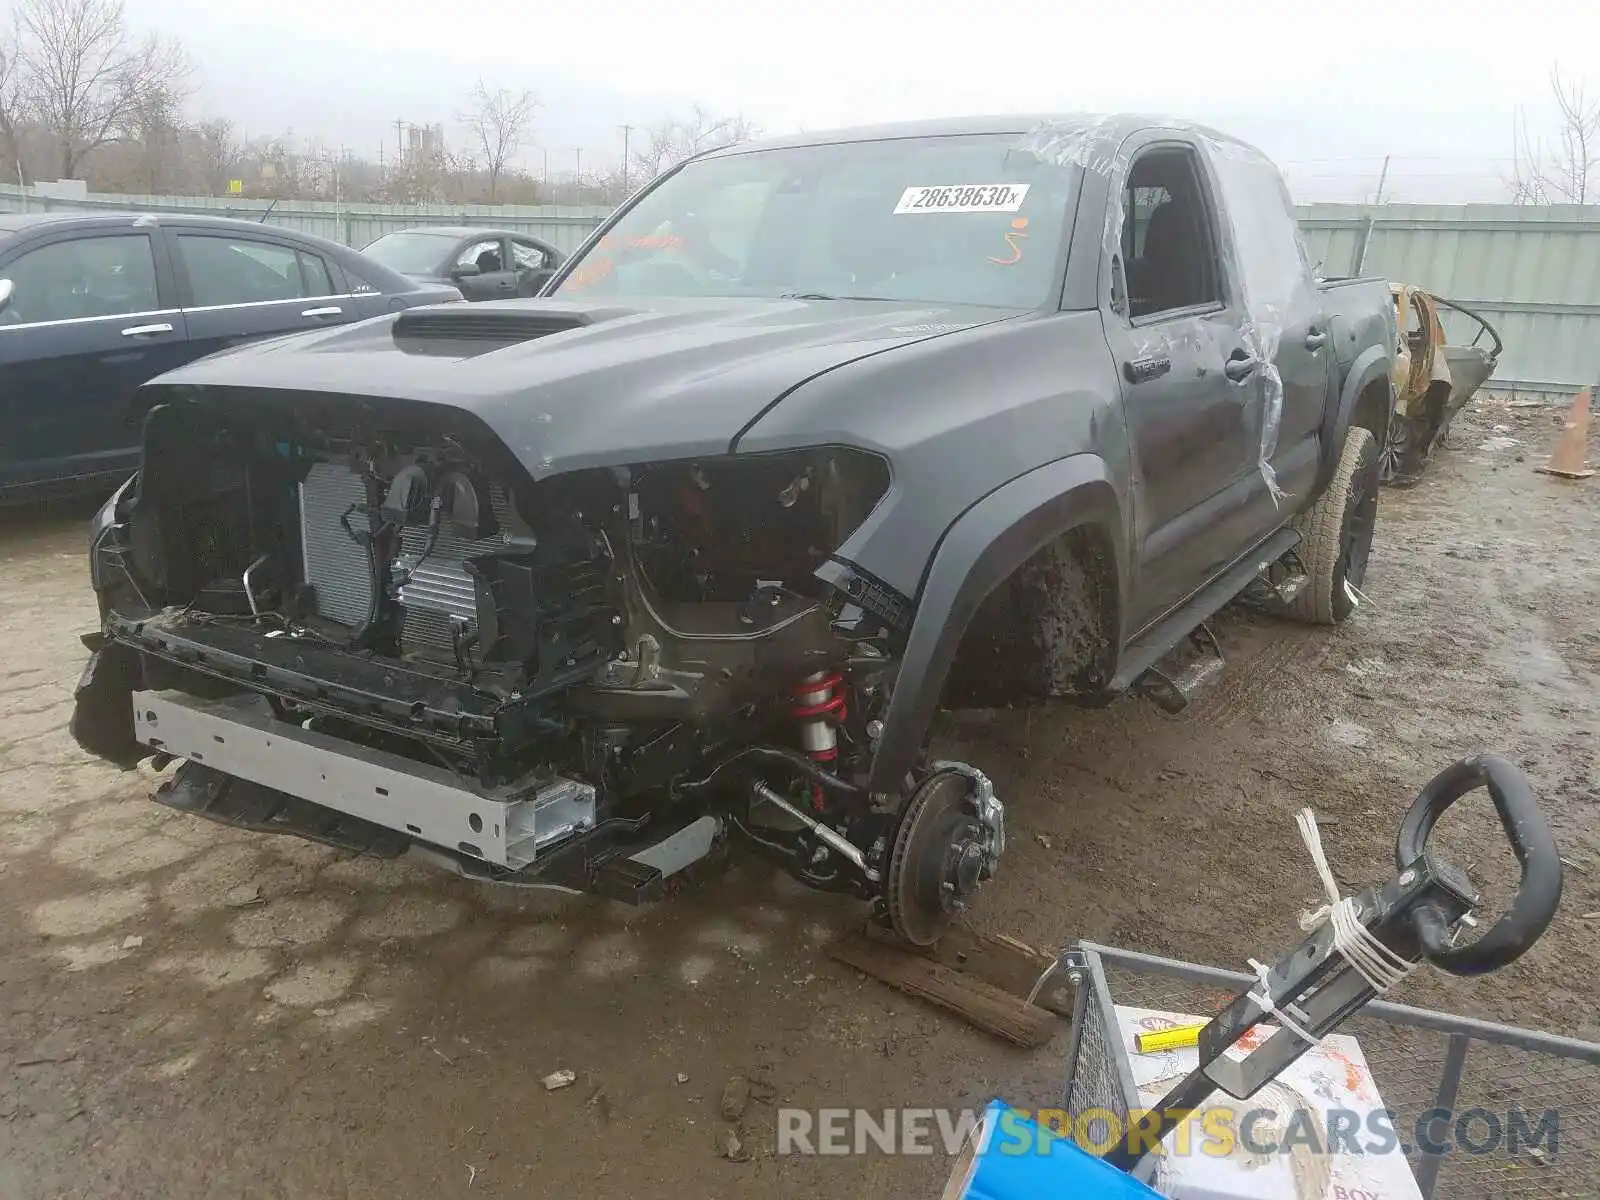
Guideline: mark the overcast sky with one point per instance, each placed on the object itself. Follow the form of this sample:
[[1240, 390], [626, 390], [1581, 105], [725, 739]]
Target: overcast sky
[[1326, 88]]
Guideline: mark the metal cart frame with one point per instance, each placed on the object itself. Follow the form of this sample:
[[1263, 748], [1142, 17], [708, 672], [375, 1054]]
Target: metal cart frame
[[1420, 1059]]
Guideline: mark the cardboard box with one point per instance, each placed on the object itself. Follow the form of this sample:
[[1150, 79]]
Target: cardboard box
[[1323, 1120]]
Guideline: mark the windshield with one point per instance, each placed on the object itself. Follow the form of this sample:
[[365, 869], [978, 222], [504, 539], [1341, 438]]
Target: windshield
[[952, 220], [410, 253]]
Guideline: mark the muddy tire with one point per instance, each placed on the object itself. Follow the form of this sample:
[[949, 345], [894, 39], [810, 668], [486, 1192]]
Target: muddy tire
[[1336, 533]]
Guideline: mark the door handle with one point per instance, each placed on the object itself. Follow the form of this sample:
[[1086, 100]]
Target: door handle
[[1316, 340], [332, 310], [146, 330], [1240, 366]]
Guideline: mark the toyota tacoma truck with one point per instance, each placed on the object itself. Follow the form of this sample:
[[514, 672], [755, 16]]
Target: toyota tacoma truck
[[811, 437]]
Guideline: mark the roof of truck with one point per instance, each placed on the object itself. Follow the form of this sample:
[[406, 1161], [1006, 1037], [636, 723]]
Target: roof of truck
[[1108, 126]]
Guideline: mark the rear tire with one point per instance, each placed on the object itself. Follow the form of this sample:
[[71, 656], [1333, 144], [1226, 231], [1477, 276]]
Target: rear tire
[[1336, 533], [1400, 460]]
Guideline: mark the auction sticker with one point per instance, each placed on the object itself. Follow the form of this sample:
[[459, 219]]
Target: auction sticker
[[962, 198]]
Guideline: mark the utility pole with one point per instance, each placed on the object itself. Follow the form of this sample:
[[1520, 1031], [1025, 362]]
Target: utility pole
[[627, 132], [399, 141], [1360, 260], [577, 177]]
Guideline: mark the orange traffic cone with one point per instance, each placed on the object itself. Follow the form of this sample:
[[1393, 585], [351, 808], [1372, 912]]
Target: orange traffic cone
[[1568, 459]]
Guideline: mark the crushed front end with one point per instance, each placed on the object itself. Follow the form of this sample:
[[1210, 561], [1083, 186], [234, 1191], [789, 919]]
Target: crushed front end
[[364, 622]]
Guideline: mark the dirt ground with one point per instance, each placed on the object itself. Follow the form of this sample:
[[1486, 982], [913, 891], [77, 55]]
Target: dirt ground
[[190, 1011]]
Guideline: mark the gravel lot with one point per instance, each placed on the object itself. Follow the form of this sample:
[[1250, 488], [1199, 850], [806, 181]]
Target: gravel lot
[[188, 1011]]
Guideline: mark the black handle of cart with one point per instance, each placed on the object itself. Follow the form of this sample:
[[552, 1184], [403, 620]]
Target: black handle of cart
[[1416, 916], [1538, 893]]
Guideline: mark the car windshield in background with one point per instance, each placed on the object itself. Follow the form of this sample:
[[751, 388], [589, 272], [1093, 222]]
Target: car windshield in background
[[971, 220], [410, 253]]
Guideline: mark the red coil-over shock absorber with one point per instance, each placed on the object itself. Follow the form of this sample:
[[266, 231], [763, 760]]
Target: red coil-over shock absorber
[[819, 707]]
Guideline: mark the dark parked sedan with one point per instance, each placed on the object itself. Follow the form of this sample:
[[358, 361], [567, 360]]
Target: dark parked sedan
[[93, 305], [486, 263]]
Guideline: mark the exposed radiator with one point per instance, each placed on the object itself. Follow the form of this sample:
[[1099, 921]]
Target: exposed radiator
[[336, 566], [439, 593]]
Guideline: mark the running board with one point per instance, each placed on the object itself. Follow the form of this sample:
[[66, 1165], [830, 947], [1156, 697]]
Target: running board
[[1156, 643], [1174, 689]]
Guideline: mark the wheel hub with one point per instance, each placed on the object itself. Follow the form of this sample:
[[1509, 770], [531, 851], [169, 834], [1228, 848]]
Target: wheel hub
[[947, 845]]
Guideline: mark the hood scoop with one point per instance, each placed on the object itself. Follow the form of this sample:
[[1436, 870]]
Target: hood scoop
[[420, 328]]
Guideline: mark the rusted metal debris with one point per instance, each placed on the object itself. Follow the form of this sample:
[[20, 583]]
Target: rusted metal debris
[[1433, 377]]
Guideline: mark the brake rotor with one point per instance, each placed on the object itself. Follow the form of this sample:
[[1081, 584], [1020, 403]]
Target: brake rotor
[[934, 868]]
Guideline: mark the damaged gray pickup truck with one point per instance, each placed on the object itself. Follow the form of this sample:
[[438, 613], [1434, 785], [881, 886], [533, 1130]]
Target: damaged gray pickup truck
[[811, 437]]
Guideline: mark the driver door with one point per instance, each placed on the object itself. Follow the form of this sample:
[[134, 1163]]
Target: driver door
[[1191, 389]]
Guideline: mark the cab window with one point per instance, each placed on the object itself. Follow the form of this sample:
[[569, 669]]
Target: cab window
[[1169, 242], [85, 277], [227, 270], [529, 257], [485, 256]]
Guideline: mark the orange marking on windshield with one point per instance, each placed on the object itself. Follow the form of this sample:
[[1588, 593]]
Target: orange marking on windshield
[[1019, 228], [665, 241], [588, 274]]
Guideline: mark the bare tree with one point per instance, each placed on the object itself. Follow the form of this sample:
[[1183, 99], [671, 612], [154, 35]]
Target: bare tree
[[13, 102], [669, 142], [152, 129], [86, 75], [217, 151], [499, 120], [1564, 173]]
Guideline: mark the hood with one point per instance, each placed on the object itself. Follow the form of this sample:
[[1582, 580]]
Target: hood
[[567, 385]]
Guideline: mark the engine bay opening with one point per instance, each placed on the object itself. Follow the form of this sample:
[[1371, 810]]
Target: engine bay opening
[[366, 623], [401, 580]]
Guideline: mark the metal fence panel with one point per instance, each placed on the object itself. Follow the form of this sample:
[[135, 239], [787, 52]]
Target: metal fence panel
[[1533, 271], [564, 226]]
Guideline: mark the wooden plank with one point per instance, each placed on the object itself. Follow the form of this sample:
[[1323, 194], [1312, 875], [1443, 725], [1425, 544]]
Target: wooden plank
[[1006, 963], [986, 1006]]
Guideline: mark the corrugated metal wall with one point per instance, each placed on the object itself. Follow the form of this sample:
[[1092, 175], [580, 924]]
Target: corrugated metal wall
[[1534, 272]]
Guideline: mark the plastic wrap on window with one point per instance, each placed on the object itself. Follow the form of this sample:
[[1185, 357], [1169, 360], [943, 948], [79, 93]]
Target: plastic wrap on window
[[1090, 142]]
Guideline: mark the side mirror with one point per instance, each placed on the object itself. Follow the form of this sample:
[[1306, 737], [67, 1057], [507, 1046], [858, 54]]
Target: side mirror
[[465, 271], [6, 288]]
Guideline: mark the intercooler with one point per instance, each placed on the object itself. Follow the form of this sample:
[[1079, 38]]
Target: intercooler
[[437, 596]]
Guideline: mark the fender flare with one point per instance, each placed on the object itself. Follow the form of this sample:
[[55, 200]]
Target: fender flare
[[977, 553], [1371, 364]]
